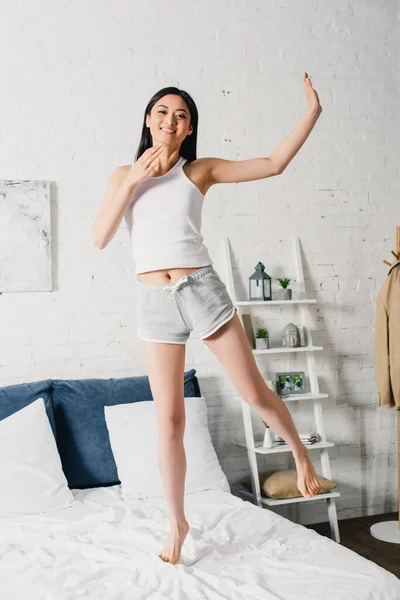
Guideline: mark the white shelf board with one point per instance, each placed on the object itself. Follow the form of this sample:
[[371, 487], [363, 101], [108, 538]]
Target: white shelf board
[[284, 350], [273, 302], [244, 493], [259, 449], [308, 396], [295, 397]]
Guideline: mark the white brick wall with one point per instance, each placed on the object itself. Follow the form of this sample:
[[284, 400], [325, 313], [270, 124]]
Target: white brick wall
[[76, 80]]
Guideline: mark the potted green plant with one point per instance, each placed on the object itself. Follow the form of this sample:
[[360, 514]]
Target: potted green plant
[[262, 339], [284, 282]]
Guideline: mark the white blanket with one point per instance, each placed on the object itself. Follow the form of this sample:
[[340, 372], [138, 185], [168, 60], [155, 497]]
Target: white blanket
[[105, 548]]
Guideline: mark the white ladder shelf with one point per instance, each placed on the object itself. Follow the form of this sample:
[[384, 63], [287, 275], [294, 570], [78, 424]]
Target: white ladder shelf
[[313, 396]]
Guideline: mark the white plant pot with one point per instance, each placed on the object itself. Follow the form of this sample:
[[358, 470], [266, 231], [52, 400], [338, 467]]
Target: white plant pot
[[287, 294], [262, 343]]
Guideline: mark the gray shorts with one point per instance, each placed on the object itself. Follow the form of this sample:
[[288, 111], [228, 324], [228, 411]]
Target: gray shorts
[[198, 302]]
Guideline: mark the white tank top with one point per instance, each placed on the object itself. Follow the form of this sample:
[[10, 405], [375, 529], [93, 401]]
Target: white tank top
[[163, 219]]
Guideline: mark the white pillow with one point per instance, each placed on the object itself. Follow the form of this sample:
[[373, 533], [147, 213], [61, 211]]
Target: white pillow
[[133, 435], [31, 475]]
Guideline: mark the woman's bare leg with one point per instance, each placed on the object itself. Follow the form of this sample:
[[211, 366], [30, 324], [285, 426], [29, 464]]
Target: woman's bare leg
[[165, 369], [231, 346]]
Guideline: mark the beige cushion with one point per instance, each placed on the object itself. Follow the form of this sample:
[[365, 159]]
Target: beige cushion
[[283, 484]]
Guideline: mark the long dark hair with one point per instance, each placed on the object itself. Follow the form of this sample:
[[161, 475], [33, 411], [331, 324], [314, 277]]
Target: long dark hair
[[188, 146]]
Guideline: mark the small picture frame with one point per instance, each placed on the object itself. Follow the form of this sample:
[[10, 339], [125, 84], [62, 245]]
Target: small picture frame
[[290, 382]]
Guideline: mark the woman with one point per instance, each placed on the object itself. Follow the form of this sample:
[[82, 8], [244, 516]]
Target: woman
[[160, 196]]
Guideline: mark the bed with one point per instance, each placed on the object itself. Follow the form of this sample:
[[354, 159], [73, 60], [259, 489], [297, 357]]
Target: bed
[[106, 548], [60, 542]]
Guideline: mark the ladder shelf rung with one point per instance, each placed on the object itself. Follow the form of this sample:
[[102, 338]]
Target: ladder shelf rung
[[259, 449], [283, 349], [308, 396], [296, 397], [273, 302], [276, 501]]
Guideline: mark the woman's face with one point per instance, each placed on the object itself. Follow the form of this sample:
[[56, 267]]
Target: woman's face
[[170, 113]]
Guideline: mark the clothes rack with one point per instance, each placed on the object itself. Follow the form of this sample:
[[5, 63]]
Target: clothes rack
[[389, 531]]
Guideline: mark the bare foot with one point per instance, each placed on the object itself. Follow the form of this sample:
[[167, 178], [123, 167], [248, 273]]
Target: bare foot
[[172, 549], [307, 480]]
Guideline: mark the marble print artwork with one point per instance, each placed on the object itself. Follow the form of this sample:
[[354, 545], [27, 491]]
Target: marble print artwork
[[25, 236]]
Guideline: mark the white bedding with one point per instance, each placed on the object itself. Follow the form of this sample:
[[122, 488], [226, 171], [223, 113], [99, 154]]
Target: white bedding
[[106, 548]]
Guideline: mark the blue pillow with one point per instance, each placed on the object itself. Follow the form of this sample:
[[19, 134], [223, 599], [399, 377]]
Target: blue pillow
[[81, 431], [15, 397]]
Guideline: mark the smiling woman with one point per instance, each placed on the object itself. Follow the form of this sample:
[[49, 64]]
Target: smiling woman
[[160, 196]]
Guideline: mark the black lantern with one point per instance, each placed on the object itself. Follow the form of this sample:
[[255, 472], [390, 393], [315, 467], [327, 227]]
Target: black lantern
[[260, 284]]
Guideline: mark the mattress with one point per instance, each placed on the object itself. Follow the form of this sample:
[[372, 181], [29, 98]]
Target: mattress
[[106, 548]]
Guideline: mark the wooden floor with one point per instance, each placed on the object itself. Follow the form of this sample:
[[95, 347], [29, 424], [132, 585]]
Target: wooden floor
[[355, 534]]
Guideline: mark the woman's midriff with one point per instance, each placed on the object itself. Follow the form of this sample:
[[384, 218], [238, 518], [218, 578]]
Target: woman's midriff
[[165, 276]]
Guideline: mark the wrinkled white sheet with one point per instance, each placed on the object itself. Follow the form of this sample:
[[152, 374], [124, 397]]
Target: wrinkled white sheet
[[107, 548]]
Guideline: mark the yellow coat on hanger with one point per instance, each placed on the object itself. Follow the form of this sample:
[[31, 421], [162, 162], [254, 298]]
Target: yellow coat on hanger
[[387, 339]]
